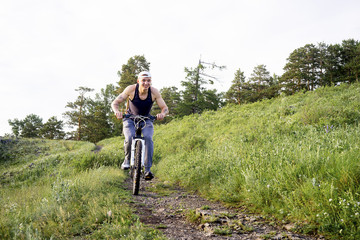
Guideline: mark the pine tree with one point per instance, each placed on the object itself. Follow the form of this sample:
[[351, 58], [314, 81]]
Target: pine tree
[[237, 92], [101, 123], [78, 113], [195, 97], [53, 129], [29, 127], [129, 71]]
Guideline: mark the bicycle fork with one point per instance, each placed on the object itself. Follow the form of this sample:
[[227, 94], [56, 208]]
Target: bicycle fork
[[132, 157]]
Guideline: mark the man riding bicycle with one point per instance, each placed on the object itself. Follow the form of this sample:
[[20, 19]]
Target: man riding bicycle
[[141, 97]]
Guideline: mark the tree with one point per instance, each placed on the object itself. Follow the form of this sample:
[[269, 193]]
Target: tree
[[352, 61], [53, 129], [96, 126], [29, 127], [106, 96], [312, 66], [238, 91], [16, 126], [302, 69], [261, 85], [193, 98], [77, 115], [212, 100], [101, 123], [333, 67], [260, 78], [32, 126], [129, 71], [172, 97]]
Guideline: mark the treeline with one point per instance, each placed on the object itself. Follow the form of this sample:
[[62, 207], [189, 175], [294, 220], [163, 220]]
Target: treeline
[[307, 68], [91, 118]]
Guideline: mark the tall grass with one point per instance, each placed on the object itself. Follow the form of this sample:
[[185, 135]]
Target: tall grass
[[295, 158], [66, 191]]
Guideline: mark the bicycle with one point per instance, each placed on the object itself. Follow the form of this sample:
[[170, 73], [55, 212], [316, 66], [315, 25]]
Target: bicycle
[[137, 158]]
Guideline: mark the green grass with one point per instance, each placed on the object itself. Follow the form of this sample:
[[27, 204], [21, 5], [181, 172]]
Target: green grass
[[65, 191], [293, 157], [224, 231]]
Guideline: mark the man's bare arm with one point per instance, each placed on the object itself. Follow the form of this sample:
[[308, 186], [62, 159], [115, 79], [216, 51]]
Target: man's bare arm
[[118, 100], [116, 103], [162, 105]]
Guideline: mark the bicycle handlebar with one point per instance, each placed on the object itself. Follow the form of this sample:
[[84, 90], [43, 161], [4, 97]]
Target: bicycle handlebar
[[151, 117]]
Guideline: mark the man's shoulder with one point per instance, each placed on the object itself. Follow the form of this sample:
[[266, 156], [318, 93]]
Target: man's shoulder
[[130, 89], [155, 90]]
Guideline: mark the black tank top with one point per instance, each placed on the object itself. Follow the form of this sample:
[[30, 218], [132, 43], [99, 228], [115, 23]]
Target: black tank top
[[138, 106]]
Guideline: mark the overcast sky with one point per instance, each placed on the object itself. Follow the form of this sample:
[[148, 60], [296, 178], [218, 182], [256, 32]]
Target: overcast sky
[[48, 48]]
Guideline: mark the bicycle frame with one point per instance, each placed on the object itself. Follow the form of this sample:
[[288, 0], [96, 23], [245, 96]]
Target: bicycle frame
[[138, 137], [137, 155]]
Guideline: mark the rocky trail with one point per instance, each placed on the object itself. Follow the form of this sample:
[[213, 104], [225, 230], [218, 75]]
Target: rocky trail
[[183, 215]]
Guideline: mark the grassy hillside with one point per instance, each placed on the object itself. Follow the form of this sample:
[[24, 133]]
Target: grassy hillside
[[296, 158], [63, 190]]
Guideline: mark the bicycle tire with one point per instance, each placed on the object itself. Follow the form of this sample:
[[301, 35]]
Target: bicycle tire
[[137, 168]]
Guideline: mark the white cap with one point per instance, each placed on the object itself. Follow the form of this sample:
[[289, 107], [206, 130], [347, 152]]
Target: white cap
[[144, 74]]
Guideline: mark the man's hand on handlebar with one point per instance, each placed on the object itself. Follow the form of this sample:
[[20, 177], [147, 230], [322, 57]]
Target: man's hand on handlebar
[[119, 115], [160, 116]]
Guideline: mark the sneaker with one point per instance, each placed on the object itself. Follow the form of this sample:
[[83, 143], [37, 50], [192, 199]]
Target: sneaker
[[125, 165], [148, 176]]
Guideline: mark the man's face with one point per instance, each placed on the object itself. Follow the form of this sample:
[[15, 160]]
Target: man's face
[[145, 82]]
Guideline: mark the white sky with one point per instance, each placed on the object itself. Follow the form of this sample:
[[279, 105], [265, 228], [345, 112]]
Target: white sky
[[48, 48]]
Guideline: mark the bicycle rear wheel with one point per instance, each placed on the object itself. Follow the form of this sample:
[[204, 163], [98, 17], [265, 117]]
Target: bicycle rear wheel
[[137, 168]]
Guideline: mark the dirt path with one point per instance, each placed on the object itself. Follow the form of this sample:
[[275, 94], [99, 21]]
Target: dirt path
[[181, 215]]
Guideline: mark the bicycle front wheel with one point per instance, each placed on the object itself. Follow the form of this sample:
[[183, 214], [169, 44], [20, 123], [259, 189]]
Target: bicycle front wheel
[[137, 168]]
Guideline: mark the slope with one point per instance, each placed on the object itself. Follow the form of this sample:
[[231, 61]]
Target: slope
[[293, 157]]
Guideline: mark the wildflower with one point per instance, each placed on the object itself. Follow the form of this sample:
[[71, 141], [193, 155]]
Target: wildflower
[[109, 213], [356, 214], [268, 185], [330, 199], [314, 182]]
